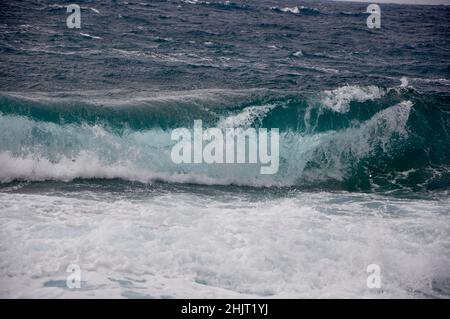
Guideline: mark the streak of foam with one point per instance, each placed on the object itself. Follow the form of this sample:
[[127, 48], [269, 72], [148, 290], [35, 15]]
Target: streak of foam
[[247, 116], [339, 99], [89, 36]]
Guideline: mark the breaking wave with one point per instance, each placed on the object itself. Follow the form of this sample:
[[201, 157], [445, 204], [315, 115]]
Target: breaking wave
[[351, 137], [297, 10]]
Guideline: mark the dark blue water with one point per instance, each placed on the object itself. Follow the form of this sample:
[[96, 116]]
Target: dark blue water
[[174, 45]]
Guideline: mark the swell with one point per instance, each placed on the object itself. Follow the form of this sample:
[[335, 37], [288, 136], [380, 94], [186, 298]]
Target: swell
[[120, 110], [351, 137]]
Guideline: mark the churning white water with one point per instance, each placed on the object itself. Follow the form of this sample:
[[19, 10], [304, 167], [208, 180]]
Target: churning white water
[[218, 243]]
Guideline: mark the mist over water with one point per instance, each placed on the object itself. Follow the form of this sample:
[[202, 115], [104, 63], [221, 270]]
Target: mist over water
[[86, 176]]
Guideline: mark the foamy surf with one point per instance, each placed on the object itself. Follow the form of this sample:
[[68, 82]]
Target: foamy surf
[[186, 245]]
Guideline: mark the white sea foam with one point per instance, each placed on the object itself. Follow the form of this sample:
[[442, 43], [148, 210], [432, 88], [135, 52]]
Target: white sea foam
[[190, 1], [247, 116], [87, 165], [294, 10], [339, 99], [404, 82], [184, 245], [89, 36]]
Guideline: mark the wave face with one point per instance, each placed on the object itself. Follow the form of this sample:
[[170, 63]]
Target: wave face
[[352, 138]]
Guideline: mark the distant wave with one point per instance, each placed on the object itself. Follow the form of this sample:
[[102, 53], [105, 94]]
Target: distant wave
[[297, 10], [89, 36], [220, 5]]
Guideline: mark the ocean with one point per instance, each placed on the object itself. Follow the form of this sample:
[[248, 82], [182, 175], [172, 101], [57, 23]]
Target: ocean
[[87, 178]]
